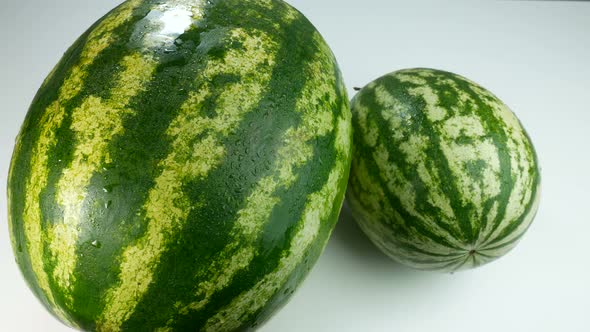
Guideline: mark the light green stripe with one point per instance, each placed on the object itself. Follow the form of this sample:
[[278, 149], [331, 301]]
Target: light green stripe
[[528, 219], [99, 39], [249, 302], [11, 170], [521, 161], [259, 205], [433, 111], [369, 191], [404, 190], [316, 209], [32, 219], [95, 123], [375, 218], [414, 147], [167, 207], [369, 130], [296, 150], [50, 121], [473, 190], [375, 211]]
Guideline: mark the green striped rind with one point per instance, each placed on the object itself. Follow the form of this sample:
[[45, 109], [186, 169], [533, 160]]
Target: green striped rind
[[181, 168], [444, 176]]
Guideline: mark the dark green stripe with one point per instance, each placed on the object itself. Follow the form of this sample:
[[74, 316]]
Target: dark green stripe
[[274, 241], [60, 157], [120, 190], [219, 200], [413, 249], [292, 207], [364, 152], [437, 260], [352, 196], [122, 181], [341, 109], [100, 75], [437, 159], [535, 174], [314, 252], [497, 132], [355, 189], [507, 244], [514, 225], [485, 255], [21, 164], [479, 262], [21, 160], [454, 266]]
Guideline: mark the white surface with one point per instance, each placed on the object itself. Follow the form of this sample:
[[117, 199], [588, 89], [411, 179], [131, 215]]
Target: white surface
[[534, 55]]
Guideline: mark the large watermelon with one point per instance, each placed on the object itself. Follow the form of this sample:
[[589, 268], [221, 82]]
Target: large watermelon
[[182, 167], [444, 177]]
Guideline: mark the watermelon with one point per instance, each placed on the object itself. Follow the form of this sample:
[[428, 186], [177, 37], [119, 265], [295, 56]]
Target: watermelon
[[181, 168], [444, 177]]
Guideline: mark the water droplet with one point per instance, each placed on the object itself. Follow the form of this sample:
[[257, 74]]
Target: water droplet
[[109, 188], [96, 244], [20, 248], [108, 204]]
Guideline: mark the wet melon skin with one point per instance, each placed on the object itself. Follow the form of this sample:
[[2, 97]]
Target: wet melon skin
[[181, 168]]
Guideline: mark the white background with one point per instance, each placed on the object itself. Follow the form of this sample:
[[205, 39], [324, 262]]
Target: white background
[[534, 55]]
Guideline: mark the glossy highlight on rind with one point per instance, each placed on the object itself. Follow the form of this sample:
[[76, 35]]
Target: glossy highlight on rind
[[444, 177], [181, 168]]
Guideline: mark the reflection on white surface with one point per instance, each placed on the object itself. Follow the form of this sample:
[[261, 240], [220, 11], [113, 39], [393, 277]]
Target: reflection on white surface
[[163, 24]]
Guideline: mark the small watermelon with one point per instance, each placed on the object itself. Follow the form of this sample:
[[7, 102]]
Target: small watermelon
[[444, 177], [182, 167]]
